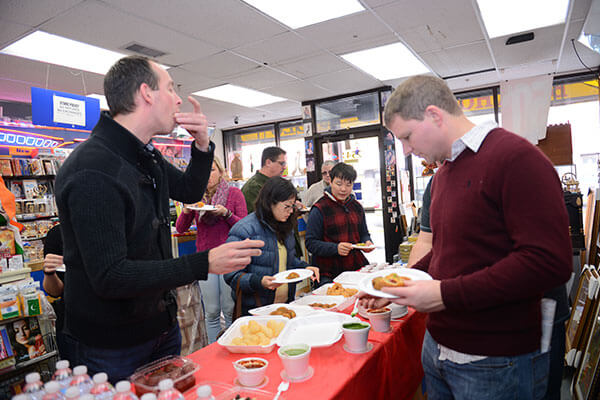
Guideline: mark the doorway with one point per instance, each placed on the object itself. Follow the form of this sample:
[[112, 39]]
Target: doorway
[[364, 155]]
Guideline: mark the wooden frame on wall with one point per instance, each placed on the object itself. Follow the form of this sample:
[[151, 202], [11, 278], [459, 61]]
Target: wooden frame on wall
[[585, 302], [586, 384]]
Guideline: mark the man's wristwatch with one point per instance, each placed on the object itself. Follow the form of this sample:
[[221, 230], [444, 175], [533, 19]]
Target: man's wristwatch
[[49, 273]]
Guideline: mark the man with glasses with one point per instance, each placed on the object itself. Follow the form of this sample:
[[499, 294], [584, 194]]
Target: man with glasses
[[273, 163], [335, 223], [316, 190]]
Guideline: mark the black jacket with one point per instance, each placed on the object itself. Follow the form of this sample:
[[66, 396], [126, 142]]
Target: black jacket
[[113, 196]]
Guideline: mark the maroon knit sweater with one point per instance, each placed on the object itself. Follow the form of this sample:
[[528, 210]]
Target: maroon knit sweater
[[500, 239]]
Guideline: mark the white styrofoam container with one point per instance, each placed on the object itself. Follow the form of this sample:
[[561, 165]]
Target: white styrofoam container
[[322, 291], [316, 330], [300, 310], [235, 331], [350, 277], [340, 302]]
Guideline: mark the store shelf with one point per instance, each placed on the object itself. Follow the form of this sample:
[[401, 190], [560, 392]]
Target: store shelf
[[35, 265], [28, 363], [33, 217], [27, 176], [11, 276]]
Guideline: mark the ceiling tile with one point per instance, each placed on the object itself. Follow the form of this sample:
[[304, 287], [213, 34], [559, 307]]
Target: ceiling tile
[[459, 60], [432, 25], [580, 9], [299, 91], [34, 12], [378, 41], [344, 30], [545, 46], [88, 23], [221, 65], [279, 49], [318, 64], [223, 23], [188, 82], [350, 80], [261, 78], [10, 31]]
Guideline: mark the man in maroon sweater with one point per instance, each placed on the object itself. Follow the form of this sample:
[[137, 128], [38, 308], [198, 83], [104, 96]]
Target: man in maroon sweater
[[500, 239]]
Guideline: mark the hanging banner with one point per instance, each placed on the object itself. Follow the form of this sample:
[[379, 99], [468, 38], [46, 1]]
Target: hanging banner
[[64, 110]]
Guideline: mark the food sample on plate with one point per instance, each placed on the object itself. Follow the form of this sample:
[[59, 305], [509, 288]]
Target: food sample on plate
[[238, 397], [391, 280], [361, 245], [322, 305], [286, 312], [338, 290], [199, 204], [255, 334], [292, 275], [378, 310], [250, 364]]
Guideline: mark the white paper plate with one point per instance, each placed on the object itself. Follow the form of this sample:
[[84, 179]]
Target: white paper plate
[[304, 273], [234, 331], [300, 310], [355, 246], [366, 285], [207, 207], [350, 277], [317, 330], [340, 302], [322, 291]]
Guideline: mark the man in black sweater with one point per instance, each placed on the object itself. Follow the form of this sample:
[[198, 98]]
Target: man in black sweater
[[113, 196]]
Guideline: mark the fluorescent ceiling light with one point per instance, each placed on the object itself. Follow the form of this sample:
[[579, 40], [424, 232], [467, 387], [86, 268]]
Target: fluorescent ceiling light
[[103, 102], [299, 13], [239, 95], [506, 17], [53, 49], [387, 62]]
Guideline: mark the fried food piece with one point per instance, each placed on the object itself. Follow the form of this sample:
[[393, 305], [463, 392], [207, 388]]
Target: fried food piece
[[391, 280], [286, 312], [322, 305], [338, 290], [292, 275], [255, 334]]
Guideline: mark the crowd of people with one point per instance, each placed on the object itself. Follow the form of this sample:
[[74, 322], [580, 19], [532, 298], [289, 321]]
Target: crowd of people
[[496, 237]]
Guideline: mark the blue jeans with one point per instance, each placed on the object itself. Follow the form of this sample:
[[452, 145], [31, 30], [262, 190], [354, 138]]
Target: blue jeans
[[119, 364], [216, 297], [522, 377]]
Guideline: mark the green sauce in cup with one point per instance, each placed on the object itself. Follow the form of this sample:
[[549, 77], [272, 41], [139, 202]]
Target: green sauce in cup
[[294, 352], [355, 325]]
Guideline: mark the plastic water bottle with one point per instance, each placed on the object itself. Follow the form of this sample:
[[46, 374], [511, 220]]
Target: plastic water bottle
[[72, 393], [167, 391], [124, 391], [204, 392], [22, 396], [62, 374], [86, 396], [34, 386], [81, 379], [148, 396], [102, 389], [52, 389]]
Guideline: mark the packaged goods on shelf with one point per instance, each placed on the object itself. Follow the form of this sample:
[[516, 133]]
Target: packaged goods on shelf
[[9, 304]]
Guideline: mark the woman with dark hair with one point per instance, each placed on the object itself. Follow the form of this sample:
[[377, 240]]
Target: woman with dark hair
[[273, 222]]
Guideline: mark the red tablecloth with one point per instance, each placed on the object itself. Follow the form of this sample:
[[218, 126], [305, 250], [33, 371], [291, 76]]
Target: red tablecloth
[[391, 370]]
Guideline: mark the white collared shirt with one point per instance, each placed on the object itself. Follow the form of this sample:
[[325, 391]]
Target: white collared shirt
[[472, 139]]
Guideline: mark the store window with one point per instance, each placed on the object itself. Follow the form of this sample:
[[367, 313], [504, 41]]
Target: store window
[[575, 102], [478, 105], [244, 148], [348, 112], [291, 139]]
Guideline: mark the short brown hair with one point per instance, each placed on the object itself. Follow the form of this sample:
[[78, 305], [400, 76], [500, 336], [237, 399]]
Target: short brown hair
[[414, 95]]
